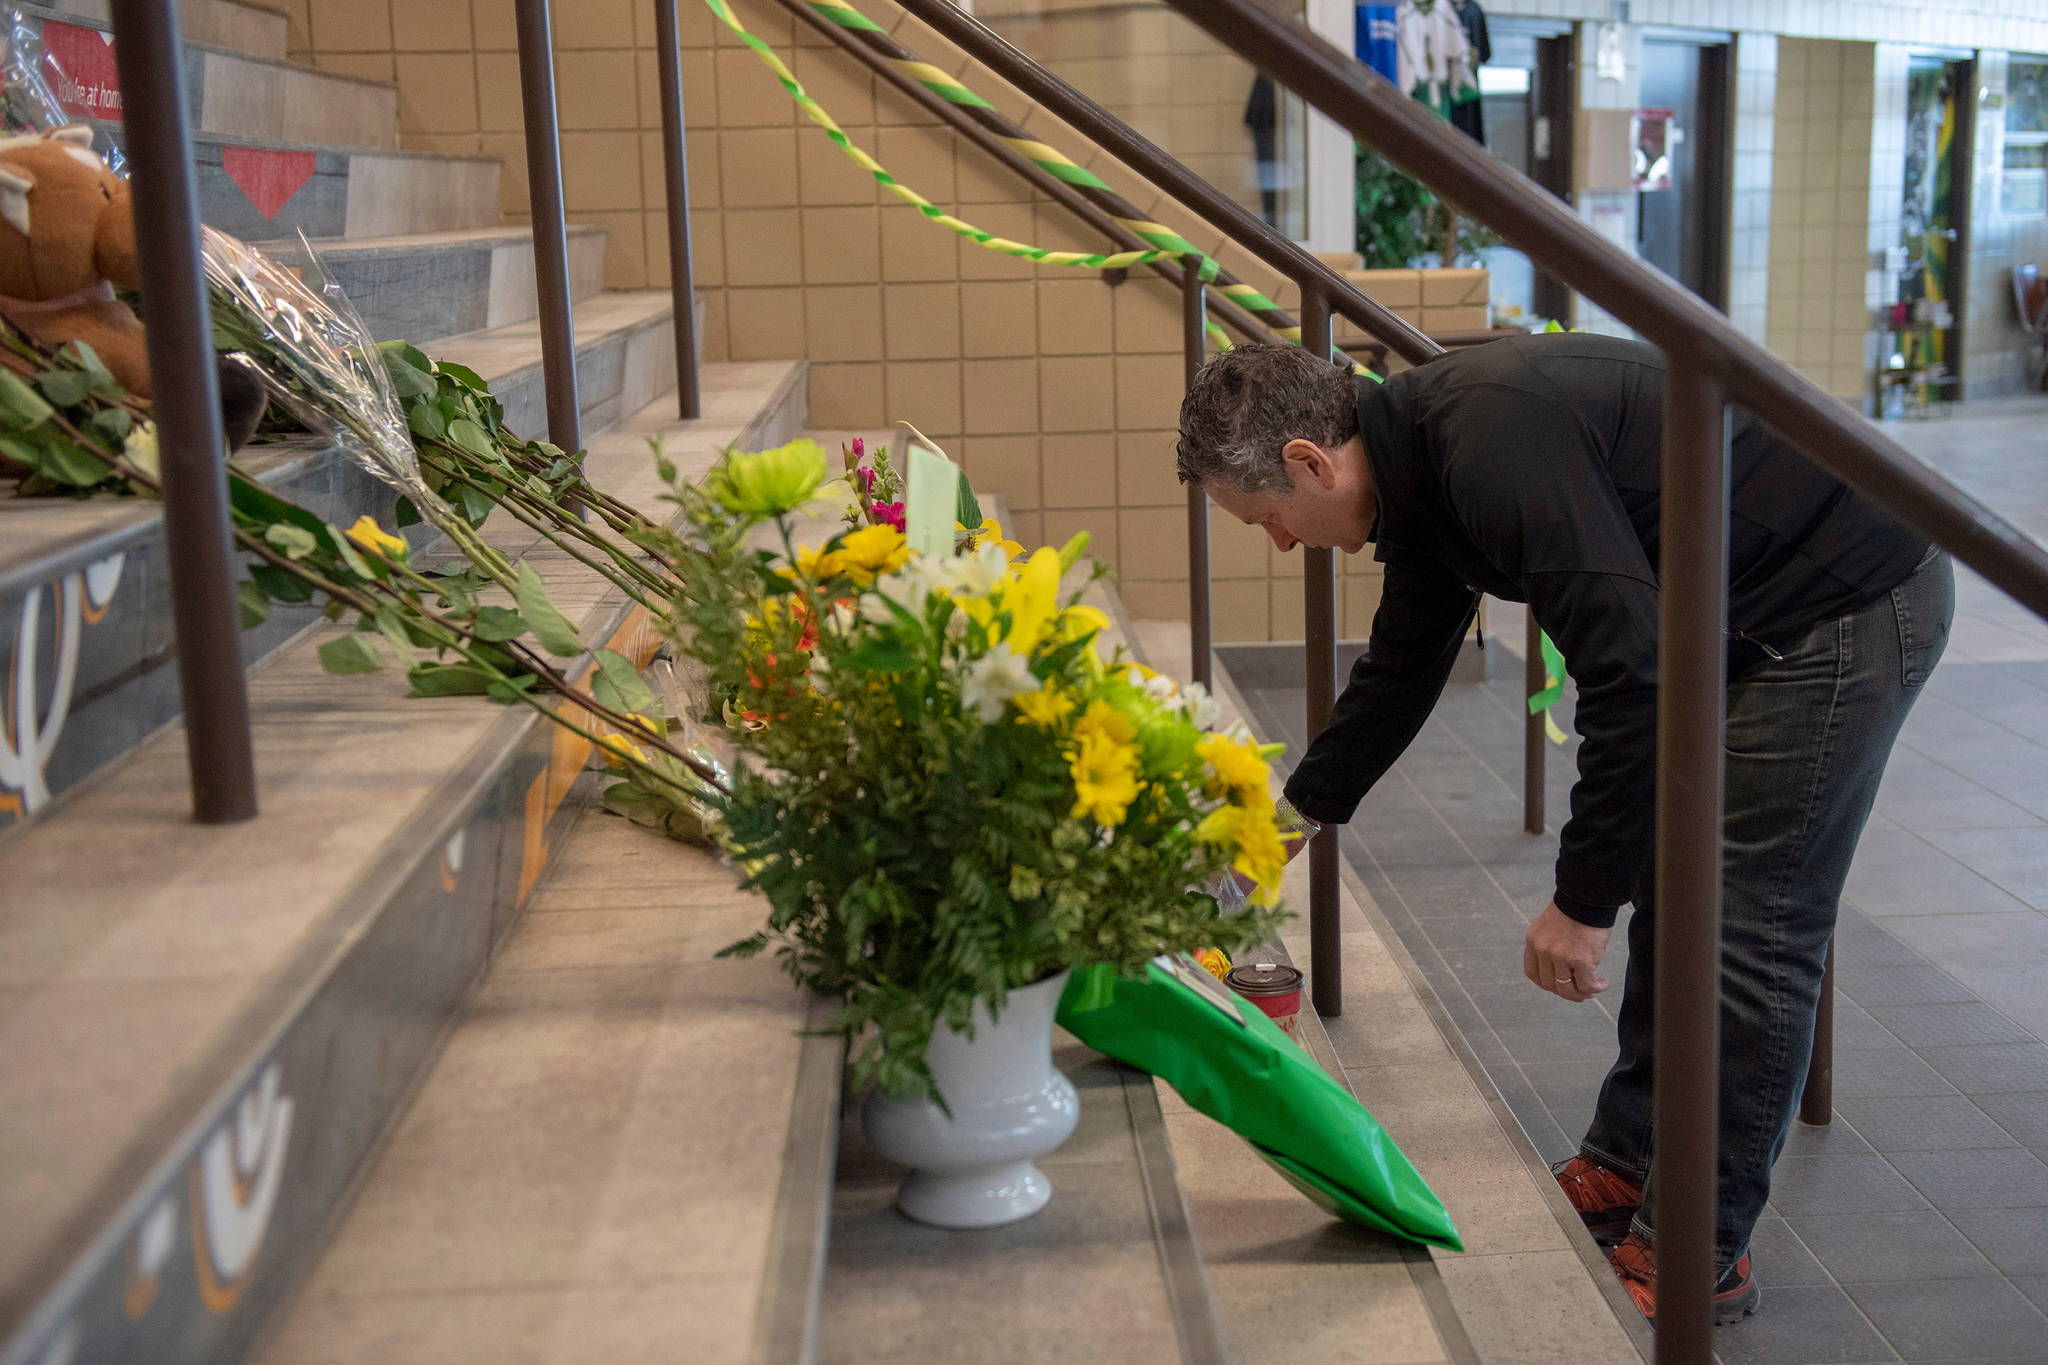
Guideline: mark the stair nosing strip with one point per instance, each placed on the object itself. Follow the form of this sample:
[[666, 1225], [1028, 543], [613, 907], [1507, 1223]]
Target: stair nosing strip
[[787, 1318], [1188, 1296]]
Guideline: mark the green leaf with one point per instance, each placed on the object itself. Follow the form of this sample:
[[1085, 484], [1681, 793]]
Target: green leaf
[[255, 604], [20, 405], [468, 436], [111, 425], [426, 421], [263, 507], [476, 504], [281, 584], [617, 684], [295, 541], [463, 375], [498, 623], [883, 654], [548, 625], [96, 372], [449, 680], [750, 946], [410, 384], [64, 388], [349, 654], [968, 510], [509, 690], [391, 625], [350, 556], [55, 457], [405, 514]]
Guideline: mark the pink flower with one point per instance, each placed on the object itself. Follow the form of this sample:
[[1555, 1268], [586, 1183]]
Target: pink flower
[[866, 477], [860, 447], [888, 514]]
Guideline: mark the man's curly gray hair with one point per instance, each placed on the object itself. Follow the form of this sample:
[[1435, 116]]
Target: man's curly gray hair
[[1247, 404]]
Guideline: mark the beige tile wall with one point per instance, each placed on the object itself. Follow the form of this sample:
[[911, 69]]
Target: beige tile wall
[[1821, 212], [1157, 72], [1054, 389]]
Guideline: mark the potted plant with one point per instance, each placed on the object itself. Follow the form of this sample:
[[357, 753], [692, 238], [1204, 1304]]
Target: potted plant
[[950, 800]]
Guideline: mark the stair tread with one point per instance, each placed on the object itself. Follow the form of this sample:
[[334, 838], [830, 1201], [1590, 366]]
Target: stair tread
[[334, 149], [143, 957], [501, 351]]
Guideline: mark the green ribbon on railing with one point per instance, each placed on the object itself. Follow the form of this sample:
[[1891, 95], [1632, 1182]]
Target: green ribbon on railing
[[1165, 243], [1553, 689]]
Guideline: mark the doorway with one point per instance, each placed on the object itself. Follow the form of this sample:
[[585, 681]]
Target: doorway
[[1923, 345], [1527, 89], [1681, 163]]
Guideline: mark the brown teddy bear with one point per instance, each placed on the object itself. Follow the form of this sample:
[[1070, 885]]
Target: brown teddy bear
[[67, 241], [67, 238]]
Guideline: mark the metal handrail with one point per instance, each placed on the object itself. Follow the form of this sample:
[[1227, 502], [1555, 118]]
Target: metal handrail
[[668, 56]]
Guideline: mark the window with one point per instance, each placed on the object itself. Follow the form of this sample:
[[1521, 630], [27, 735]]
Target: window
[[2025, 184]]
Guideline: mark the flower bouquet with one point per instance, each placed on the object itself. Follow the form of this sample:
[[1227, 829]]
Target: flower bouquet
[[944, 789]]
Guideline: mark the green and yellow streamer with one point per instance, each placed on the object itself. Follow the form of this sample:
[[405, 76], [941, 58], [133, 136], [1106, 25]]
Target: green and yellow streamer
[[1540, 703]]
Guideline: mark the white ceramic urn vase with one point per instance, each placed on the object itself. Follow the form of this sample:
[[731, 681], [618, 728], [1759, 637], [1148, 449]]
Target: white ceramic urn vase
[[1010, 1106]]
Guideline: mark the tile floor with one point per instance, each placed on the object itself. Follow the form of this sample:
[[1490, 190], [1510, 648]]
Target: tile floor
[[1915, 1227]]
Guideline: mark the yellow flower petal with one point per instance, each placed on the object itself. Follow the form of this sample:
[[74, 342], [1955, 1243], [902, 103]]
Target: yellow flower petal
[[1044, 708], [374, 538]]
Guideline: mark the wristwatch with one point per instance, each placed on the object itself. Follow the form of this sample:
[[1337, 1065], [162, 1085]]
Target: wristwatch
[[1295, 820]]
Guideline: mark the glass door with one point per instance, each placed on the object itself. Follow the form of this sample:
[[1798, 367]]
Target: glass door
[[1924, 338]]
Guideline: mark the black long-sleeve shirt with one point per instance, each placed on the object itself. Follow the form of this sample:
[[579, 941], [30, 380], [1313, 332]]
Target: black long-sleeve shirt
[[1530, 468]]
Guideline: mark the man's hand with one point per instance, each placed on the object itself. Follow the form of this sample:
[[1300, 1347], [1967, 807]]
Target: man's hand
[[1563, 956], [1300, 825]]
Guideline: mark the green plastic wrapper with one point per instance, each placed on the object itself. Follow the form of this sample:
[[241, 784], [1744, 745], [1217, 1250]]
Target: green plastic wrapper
[[1231, 1062]]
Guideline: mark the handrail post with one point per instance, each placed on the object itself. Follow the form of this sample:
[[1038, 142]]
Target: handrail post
[[668, 57], [1194, 315], [1691, 702], [1533, 755], [191, 444], [1319, 630], [1817, 1105], [550, 223]]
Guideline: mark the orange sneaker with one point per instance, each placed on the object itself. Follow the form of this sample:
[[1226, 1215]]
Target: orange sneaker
[[1736, 1295], [1606, 1200]]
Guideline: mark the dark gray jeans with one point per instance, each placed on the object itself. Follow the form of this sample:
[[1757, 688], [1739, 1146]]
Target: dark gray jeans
[[1808, 736]]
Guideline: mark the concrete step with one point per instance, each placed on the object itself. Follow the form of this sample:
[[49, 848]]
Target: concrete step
[[264, 191], [209, 1029], [230, 93], [438, 284], [625, 349], [84, 586], [253, 29]]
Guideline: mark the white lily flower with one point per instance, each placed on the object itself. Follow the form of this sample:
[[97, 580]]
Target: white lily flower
[[973, 575], [988, 683]]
